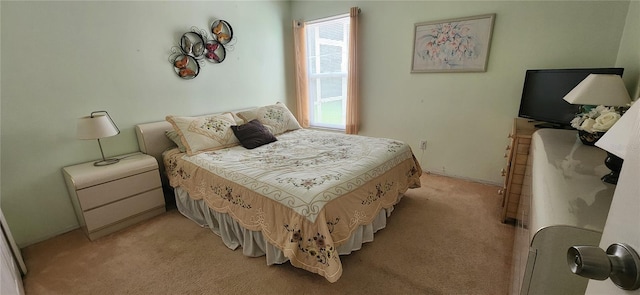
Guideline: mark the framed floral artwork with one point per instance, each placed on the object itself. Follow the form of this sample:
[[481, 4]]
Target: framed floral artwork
[[453, 45]]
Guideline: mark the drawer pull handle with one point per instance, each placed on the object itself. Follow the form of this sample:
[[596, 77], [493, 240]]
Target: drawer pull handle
[[505, 155], [500, 192], [503, 172], [508, 147]]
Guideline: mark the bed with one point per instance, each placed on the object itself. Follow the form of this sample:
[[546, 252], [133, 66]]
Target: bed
[[305, 196]]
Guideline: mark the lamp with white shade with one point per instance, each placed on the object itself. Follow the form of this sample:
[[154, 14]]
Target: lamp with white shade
[[615, 142], [607, 90], [599, 89], [96, 126]]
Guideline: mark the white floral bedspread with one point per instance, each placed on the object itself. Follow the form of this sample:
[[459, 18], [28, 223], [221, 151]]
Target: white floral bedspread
[[319, 187]]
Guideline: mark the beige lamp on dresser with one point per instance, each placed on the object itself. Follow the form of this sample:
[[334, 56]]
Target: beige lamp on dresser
[[605, 90], [111, 194], [96, 126]]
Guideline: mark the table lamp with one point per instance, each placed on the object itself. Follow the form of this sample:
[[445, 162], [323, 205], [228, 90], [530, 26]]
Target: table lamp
[[606, 90], [600, 89], [96, 126], [615, 142]]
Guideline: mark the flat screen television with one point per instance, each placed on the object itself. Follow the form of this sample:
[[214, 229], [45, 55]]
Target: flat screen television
[[543, 92]]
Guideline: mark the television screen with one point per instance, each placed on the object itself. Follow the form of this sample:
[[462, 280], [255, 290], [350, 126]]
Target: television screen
[[543, 92]]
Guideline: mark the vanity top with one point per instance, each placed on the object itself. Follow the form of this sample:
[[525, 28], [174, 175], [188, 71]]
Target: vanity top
[[566, 185]]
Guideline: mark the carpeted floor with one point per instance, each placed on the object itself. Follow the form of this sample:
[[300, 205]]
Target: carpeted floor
[[443, 238]]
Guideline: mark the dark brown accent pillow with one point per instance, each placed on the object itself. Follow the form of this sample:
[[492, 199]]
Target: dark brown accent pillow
[[253, 134]]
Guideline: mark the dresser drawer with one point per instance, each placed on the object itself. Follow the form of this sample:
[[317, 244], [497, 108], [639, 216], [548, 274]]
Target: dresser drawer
[[517, 153], [123, 209], [99, 195]]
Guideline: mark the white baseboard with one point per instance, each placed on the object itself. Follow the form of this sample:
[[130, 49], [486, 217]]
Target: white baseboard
[[464, 178], [49, 236]]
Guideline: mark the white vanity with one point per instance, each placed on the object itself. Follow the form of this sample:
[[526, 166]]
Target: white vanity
[[563, 203]]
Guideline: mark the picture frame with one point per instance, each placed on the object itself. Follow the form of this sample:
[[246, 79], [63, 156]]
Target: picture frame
[[453, 45]]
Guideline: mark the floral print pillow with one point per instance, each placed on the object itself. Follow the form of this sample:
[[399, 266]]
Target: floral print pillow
[[205, 133], [277, 118]]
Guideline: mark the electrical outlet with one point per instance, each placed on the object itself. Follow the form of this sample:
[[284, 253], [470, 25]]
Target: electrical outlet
[[423, 144]]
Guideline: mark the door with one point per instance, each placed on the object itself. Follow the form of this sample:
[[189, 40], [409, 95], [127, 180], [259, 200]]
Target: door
[[10, 257], [623, 221]]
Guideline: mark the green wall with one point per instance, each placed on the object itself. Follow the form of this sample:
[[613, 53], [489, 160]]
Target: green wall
[[62, 60], [465, 117], [629, 53]]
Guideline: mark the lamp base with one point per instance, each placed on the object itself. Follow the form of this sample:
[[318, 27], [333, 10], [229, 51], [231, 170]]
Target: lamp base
[[611, 178], [106, 162], [614, 163]]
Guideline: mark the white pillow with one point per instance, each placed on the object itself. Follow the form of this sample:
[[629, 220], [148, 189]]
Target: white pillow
[[277, 118], [175, 137], [205, 133]]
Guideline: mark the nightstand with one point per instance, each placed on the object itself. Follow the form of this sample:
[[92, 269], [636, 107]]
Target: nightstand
[[110, 198]]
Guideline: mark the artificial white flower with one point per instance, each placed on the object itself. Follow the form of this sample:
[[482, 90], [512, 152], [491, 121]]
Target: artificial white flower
[[576, 122], [605, 121], [597, 119], [587, 125]]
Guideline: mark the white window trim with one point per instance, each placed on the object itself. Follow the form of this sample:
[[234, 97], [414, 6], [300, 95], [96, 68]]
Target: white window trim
[[344, 45]]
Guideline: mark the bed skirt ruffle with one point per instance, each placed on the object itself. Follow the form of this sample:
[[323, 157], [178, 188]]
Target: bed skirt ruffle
[[253, 243]]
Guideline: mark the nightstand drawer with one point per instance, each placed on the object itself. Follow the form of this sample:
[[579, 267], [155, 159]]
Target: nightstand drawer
[[99, 195], [123, 209]]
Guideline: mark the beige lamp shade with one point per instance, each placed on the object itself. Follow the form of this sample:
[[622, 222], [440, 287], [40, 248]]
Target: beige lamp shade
[[616, 139], [599, 89], [96, 127]]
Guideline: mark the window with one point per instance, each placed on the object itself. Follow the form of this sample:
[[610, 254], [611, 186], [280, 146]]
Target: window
[[327, 65]]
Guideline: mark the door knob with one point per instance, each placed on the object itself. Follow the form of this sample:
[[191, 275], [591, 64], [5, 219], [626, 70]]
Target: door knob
[[620, 263]]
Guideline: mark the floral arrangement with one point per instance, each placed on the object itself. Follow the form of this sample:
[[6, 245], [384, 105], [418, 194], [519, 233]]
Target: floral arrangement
[[449, 43], [597, 119]]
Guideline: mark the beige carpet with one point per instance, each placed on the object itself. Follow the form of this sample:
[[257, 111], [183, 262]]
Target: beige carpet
[[444, 238]]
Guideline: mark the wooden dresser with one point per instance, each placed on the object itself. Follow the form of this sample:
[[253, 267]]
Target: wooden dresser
[[516, 162]]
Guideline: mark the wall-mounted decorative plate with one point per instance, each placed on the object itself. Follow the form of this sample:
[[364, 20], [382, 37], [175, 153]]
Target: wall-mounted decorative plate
[[214, 51], [186, 66], [195, 48], [192, 44], [222, 31]]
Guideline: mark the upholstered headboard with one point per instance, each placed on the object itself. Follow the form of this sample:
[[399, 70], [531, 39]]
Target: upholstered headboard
[[153, 141]]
